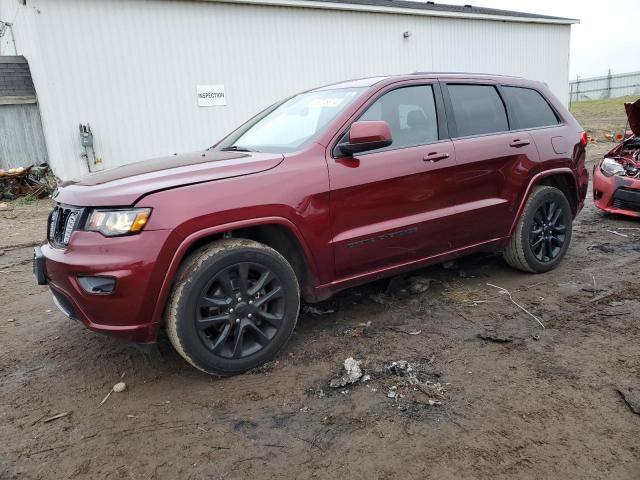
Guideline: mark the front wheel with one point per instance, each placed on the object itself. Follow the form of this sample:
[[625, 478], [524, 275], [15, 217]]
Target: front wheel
[[234, 306], [543, 232]]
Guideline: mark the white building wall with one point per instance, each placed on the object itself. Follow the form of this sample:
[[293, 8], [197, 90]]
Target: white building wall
[[130, 67]]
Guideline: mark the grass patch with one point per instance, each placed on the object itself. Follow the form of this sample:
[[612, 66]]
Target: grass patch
[[598, 117], [26, 200]]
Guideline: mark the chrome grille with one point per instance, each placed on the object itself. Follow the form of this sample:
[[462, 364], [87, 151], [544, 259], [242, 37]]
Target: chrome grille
[[63, 221]]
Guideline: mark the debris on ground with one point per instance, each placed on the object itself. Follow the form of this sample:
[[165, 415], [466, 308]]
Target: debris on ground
[[402, 286], [450, 265], [495, 337], [415, 378], [33, 181], [593, 290], [419, 284], [392, 393], [402, 329], [356, 332], [401, 367], [352, 373], [508, 293], [56, 417], [117, 388], [631, 397], [465, 295], [317, 311]]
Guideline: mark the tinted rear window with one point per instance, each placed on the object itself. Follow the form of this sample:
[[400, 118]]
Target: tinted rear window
[[477, 110], [530, 109]]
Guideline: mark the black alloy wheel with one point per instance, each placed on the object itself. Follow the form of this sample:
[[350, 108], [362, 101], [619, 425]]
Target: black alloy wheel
[[233, 307], [240, 310], [543, 231], [548, 231]]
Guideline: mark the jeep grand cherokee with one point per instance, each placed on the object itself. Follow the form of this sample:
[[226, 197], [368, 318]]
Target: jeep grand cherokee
[[325, 190]]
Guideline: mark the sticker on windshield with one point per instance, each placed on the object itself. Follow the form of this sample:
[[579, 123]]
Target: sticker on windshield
[[325, 102]]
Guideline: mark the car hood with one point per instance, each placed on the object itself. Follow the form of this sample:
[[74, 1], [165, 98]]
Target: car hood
[[633, 114], [127, 184]]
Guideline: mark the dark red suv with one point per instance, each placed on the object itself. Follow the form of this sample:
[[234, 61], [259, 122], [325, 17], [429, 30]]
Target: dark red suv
[[328, 189]]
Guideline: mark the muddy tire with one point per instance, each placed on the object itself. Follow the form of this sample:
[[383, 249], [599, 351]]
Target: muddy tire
[[233, 307], [543, 233]]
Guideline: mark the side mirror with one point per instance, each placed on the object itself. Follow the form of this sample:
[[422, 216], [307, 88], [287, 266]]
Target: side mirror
[[367, 135]]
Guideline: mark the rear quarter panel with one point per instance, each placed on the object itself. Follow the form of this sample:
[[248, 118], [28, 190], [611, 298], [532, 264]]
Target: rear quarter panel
[[559, 149]]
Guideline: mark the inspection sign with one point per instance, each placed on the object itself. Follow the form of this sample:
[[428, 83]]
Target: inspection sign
[[211, 96]]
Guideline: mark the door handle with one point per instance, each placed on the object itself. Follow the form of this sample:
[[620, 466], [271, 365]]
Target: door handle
[[435, 157], [517, 143]]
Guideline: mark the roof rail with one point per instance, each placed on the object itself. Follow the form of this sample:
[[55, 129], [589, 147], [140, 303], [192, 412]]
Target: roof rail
[[464, 73]]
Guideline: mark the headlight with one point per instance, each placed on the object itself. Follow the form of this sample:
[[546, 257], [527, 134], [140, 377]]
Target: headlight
[[610, 167], [117, 222]]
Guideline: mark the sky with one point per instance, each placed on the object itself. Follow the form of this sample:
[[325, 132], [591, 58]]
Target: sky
[[608, 36]]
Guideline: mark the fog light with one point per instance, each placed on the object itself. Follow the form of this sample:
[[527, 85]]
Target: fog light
[[97, 285]]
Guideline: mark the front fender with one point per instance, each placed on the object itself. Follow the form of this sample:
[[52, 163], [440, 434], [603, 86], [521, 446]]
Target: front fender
[[194, 237]]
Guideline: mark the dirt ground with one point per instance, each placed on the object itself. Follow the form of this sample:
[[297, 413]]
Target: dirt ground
[[524, 402]]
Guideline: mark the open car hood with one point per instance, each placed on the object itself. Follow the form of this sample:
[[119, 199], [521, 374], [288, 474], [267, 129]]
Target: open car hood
[[633, 114], [123, 186]]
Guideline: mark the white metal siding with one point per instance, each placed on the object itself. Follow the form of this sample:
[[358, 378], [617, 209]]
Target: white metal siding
[[130, 68]]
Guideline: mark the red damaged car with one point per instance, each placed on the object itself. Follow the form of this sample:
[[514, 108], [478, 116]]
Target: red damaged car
[[616, 178], [325, 190]]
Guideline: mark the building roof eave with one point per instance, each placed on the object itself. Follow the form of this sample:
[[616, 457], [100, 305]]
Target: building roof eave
[[404, 7]]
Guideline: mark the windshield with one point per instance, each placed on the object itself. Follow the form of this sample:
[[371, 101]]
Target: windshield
[[293, 123]]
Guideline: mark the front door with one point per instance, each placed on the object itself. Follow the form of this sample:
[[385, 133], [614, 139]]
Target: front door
[[390, 206]]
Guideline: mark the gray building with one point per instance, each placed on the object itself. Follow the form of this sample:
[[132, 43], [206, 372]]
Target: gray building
[[22, 141]]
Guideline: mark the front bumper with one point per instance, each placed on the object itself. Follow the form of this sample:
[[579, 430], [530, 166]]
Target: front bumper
[[38, 266], [135, 262], [616, 194]]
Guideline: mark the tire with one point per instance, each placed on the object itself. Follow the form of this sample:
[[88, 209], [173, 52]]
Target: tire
[[536, 224], [222, 325]]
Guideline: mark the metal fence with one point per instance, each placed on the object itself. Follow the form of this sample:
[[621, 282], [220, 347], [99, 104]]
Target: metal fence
[[607, 86]]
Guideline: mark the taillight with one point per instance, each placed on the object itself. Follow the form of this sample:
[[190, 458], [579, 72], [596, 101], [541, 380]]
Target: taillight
[[583, 138]]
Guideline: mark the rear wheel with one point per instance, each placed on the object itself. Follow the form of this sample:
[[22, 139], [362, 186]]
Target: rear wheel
[[543, 232], [234, 306]]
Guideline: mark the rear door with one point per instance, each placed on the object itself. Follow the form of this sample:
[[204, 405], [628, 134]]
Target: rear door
[[492, 162], [531, 113], [389, 206]]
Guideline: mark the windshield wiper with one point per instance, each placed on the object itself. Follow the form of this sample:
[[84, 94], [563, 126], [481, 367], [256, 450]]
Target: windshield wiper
[[237, 148]]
